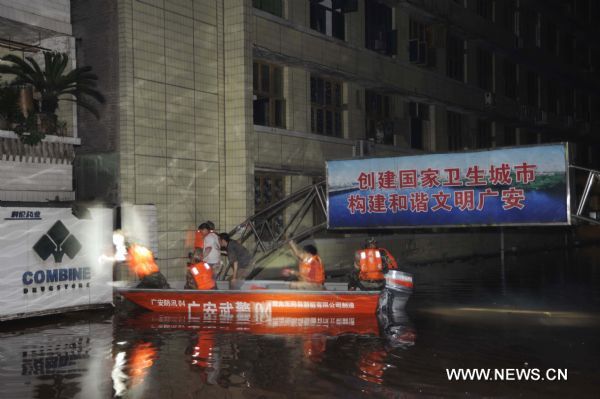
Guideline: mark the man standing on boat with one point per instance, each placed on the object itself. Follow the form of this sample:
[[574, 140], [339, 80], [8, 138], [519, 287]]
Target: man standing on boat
[[369, 268], [311, 273], [239, 257], [211, 252]]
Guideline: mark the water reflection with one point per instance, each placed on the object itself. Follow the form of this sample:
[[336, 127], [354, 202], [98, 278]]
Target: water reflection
[[230, 353], [67, 360], [547, 317]]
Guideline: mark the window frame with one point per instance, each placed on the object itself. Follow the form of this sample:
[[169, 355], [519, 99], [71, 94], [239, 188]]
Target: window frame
[[275, 97], [318, 103]]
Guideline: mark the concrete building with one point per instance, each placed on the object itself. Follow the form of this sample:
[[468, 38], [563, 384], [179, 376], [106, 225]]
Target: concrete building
[[43, 172], [218, 108]]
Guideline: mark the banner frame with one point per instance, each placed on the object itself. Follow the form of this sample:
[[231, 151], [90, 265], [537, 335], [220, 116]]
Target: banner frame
[[567, 177]]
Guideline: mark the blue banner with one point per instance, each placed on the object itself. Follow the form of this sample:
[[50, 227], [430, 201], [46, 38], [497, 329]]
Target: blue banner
[[510, 186]]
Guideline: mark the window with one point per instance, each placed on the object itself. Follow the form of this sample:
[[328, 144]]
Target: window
[[379, 127], [455, 122], [582, 107], [485, 9], [528, 26], [567, 49], [269, 105], [420, 47], [379, 33], [419, 114], [568, 102], [271, 6], [510, 135], [510, 79], [582, 55], [268, 189], [532, 89], [326, 107], [552, 96], [508, 14], [484, 134], [485, 69], [550, 39], [327, 19], [455, 60], [528, 137]]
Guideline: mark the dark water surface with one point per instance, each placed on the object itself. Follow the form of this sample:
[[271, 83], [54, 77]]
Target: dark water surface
[[537, 311]]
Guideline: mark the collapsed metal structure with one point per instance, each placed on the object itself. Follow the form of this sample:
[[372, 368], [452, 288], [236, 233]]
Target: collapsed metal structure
[[592, 178], [272, 227]]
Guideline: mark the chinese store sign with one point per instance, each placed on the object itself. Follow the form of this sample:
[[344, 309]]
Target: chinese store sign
[[514, 186]]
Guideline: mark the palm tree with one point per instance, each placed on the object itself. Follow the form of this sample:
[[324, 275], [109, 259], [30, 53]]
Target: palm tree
[[53, 82]]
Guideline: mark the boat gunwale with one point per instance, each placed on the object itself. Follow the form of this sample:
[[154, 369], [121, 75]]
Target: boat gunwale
[[260, 291]]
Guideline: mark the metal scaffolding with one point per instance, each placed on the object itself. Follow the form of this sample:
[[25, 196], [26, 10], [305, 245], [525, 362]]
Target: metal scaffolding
[[272, 227], [593, 177]]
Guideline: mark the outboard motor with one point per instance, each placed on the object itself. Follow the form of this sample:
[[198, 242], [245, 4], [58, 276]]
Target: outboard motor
[[398, 288]]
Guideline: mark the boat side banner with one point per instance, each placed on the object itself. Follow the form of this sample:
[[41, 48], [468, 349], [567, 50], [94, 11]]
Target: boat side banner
[[51, 260], [509, 186]]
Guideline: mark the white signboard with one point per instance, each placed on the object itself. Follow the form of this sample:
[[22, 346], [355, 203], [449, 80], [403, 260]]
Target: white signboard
[[49, 260]]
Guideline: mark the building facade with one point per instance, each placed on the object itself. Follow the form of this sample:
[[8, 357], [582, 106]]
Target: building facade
[[218, 108], [43, 172]]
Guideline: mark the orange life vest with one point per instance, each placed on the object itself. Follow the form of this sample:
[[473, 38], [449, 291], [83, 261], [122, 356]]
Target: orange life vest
[[141, 261], [312, 271], [203, 276], [371, 266], [198, 239], [392, 264]]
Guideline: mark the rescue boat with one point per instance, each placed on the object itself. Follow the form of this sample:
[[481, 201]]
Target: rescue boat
[[274, 298]]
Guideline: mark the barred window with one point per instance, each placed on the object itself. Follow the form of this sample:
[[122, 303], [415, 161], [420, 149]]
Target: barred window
[[326, 106], [455, 60], [271, 6], [269, 104], [379, 127]]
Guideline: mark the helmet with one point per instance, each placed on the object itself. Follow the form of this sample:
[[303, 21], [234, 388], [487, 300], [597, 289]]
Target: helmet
[[370, 241]]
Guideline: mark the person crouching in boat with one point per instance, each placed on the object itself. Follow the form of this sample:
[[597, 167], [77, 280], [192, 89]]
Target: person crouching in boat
[[141, 262], [201, 276], [310, 274], [368, 268]]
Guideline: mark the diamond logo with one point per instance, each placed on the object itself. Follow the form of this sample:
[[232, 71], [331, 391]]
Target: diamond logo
[[57, 242]]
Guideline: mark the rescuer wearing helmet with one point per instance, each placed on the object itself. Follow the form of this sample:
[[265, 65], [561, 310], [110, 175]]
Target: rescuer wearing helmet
[[368, 268]]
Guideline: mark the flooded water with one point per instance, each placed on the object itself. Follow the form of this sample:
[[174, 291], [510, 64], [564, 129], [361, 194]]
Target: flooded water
[[540, 311]]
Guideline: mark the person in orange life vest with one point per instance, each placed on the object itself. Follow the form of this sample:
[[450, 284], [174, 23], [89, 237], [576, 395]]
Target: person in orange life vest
[[372, 366], [206, 356], [201, 275], [368, 268], [310, 274], [141, 262]]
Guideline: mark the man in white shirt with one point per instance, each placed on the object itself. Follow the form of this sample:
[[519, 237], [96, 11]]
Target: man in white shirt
[[212, 250]]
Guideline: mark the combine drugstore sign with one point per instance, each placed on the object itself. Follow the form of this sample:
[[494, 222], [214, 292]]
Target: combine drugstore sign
[[511, 186], [50, 260]]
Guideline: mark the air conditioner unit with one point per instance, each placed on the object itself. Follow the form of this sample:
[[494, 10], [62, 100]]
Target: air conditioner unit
[[362, 148], [489, 99]]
